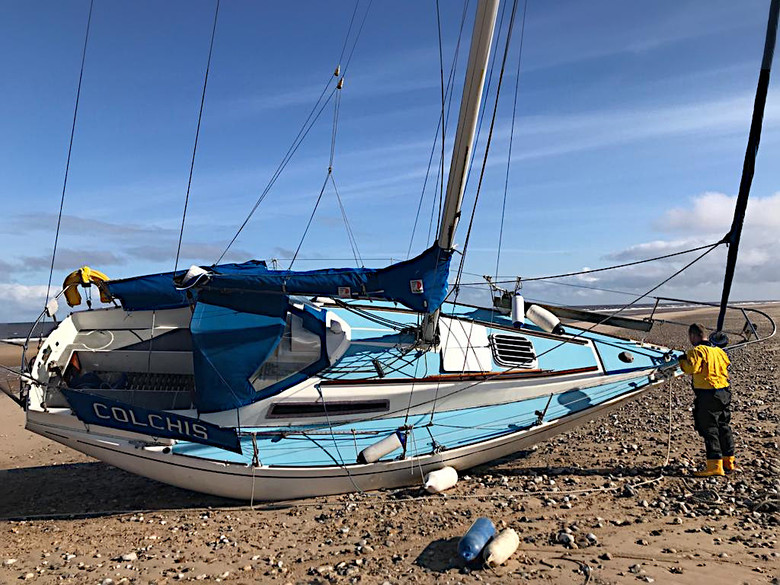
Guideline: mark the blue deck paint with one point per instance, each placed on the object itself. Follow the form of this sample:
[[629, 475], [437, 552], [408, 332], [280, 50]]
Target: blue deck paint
[[450, 429]]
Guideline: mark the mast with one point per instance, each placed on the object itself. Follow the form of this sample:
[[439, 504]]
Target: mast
[[748, 167], [479, 54], [481, 40]]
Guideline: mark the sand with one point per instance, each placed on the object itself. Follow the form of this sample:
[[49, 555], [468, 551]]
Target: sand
[[604, 481]]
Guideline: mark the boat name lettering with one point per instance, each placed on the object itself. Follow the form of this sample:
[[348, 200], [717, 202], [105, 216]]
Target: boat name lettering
[[155, 421]]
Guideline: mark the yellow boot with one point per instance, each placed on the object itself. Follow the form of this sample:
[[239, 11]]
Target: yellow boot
[[714, 467], [730, 464]]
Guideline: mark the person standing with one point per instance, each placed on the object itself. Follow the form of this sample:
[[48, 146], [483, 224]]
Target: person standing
[[708, 366]]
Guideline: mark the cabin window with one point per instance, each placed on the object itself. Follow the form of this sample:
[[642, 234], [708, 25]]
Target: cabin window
[[512, 351], [297, 349], [315, 409]]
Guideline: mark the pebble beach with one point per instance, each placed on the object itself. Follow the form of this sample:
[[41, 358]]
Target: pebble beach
[[612, 502]]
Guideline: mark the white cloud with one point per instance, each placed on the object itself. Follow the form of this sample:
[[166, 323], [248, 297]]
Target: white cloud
[[706, 220], [21, 302], [712, 213]]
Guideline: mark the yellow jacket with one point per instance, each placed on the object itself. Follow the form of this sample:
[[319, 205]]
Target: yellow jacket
[[709, 366]]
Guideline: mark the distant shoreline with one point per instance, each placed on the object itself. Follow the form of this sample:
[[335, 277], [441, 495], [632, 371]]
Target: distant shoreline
[[17, 332]]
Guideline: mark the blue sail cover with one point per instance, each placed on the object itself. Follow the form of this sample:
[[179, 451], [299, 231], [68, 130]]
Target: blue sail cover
[[157, 291], [240, 314], [228, 347], [419, 284]]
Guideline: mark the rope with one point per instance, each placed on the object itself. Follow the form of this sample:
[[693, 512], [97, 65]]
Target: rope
[[70, 150], [335, 443], [511, 139], [669, 436], [197, 134]]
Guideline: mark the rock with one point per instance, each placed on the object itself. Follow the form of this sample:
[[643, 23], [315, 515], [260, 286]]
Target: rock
[[606, 557], [28, 576], [565, 539], [129, 557], [9, 562], [635, 568]]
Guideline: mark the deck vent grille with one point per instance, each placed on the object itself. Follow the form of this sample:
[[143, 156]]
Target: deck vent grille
[[513, 351]]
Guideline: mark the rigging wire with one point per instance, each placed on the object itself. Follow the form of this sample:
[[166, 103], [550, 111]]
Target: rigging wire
[[511, 138], [487, 144], [350, 233], [614, 267], [70, 150], [197, 134], [329, 177], [443, 126], [311, 217], [308, 124], [489, 83], [357, 36], [636, 300], [442, 120], [306, 127], [349, 31]]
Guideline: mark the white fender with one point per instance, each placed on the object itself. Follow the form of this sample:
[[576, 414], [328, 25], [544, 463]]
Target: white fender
[[518, 310], [440, 480], [544, 319], [503, 546], [375, 452]]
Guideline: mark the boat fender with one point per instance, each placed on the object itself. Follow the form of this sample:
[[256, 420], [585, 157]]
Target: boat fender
[[545, 320], [518, 310], [503, 546], [440, 480], [375, 452], [476, 538]]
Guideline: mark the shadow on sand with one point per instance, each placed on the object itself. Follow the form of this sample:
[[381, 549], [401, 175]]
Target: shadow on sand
[[90, 489], [440, 555], [83, 490]]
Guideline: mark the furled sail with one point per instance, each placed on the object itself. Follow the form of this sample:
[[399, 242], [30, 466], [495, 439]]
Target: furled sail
[[158, 291], [419, 284]]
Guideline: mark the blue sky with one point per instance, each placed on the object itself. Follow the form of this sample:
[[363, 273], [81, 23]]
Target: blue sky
[[629, 140]]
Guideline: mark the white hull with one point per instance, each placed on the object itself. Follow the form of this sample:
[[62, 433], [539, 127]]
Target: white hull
[[270, 483]]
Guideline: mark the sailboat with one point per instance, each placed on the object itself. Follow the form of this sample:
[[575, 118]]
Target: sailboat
[[253, 383]]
